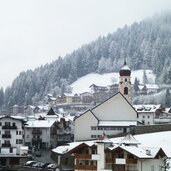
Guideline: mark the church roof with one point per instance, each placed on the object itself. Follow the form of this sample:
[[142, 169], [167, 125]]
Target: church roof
[[125, 70]]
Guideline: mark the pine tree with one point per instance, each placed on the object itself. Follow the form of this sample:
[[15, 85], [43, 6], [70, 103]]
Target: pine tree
[[168, 98], [145, 79], [135, 86]]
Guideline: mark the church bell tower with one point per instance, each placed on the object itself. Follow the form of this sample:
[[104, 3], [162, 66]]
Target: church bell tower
[[125, 82]]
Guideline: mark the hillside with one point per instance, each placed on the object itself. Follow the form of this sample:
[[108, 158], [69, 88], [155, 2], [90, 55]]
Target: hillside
[[145, 45], [83, 83]]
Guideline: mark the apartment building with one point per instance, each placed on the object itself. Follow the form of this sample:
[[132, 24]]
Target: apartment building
[[12, 149]]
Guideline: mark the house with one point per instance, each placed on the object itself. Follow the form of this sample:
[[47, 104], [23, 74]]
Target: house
[[113, 89], [110, 155], [86, 98], [12, 149], [145, 89], [100, 93], [148, 114], [68, 99], [40, 132], [94, 88]]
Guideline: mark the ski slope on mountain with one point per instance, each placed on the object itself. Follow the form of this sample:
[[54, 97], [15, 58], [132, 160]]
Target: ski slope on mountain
[[83, 83]]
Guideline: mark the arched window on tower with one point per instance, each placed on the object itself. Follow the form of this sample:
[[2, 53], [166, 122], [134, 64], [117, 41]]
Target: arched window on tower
[[126, 90]]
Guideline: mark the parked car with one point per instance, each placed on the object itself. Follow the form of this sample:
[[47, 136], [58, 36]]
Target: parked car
[[38, 165], [52, 166], [45, 165], [29, 163]]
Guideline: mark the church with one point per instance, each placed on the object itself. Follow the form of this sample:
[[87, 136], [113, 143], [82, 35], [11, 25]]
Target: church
[[114, 116]]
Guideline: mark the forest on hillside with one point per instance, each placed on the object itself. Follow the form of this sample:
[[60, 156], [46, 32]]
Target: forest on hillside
[[145, 45]]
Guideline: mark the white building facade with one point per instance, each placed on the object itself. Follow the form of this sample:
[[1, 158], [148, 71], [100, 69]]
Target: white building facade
[[12, 141]]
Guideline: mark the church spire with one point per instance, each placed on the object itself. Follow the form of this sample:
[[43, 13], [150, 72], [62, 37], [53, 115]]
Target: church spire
[[125, 61]]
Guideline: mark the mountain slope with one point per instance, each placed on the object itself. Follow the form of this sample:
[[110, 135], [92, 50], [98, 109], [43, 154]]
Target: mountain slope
[[83, 83], [145, 45]]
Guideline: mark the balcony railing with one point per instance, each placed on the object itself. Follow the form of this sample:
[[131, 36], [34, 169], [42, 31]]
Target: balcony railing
[[110, 160], [37, 131], [83, 156], [6, 135], [9, 127], [131, 161], [128, 161], [6, 145], [85, 167]]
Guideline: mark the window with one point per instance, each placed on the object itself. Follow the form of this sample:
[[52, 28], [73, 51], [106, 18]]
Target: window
[[148, 116], [7, 123], [11, 150], [20, 132], [0, 124], [93, 128], [126, 90], [93, 136], [143, 116], [125, 79], [19, 141], [16, 132]]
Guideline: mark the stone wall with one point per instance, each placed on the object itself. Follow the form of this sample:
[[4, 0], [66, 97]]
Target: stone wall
[[151, 128]]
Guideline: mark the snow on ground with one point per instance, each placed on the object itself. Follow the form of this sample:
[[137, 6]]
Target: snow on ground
[[83, 83]]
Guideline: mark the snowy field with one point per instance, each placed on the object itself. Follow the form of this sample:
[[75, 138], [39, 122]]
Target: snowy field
[[83, 83]]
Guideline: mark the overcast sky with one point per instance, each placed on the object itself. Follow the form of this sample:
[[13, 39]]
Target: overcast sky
[[35, 32]]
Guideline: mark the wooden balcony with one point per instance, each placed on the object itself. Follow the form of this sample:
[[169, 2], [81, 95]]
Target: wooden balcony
[[85, 167], [6, 135], [128, 161], [110, 160], [9, 127], [6, 145], [131, 161], [37, 132], [83, 156]]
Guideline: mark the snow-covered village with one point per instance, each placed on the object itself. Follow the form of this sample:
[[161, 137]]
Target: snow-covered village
[[85, 86]]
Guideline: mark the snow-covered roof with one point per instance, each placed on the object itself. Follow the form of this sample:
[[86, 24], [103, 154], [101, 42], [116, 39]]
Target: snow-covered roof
[[117, 123], [140, 152], [129, 140], [125, 67], [39, 123], [146, 108], [152, 86], [71, 146], [150, 144]]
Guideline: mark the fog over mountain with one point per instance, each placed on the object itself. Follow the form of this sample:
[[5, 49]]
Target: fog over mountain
[[145, 45]]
